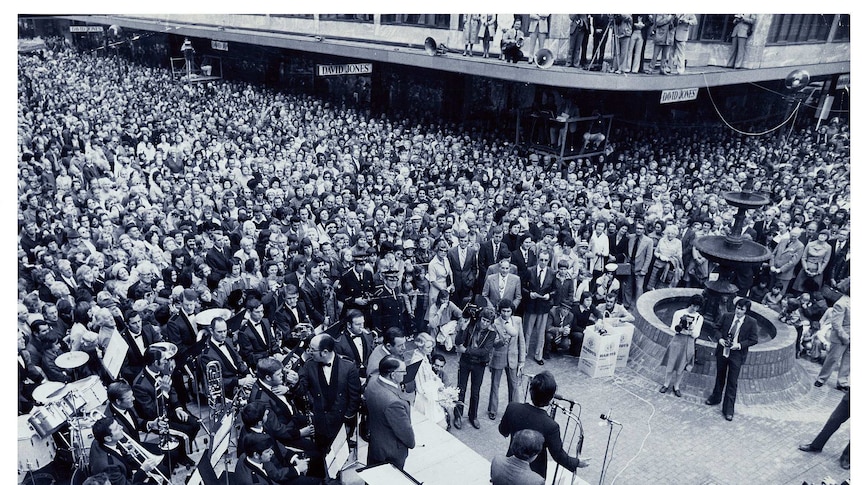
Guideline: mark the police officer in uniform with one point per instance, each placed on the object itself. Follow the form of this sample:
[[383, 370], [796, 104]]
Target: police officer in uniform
[[387, 304], [356, 286]]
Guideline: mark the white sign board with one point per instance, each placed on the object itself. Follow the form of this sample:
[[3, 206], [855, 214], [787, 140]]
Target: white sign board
[[343, 69], [677, 95], [86, 28], [218, 45]]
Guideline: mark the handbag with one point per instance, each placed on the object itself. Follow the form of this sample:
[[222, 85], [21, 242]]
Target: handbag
[[624, 269]]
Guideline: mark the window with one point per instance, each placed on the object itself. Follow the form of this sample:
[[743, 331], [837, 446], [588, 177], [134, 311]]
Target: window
[[348, 17], [423, 20], [799, 28], [293, 15], [715, 28], [843, 30]]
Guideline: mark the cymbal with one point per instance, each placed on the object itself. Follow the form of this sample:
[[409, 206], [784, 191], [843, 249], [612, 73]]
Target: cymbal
[[48, 392], [72, 360]]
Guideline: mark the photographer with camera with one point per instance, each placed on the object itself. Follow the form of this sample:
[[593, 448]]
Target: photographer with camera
[[679, 355]]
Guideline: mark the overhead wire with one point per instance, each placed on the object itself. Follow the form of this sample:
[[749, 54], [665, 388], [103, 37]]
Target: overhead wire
[[727, 123]]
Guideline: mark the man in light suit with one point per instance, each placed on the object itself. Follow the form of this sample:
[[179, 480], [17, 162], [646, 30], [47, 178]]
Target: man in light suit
[[839, 350], [515, 469], [640, 255], [389, 426], [539, 291], [465, 268], [742, 26], [738, 332], [502, 285], [510, 357], [785, 257]]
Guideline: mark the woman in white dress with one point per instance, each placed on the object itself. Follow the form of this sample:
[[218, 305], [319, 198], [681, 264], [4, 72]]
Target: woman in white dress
[[428, 384]]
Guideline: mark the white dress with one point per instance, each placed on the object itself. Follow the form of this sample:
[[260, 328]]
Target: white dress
[[428, 386]]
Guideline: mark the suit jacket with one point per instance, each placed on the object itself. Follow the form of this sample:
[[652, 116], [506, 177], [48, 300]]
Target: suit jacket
[[515, 351], [785, 257], [523, 263], [512, 291], [463, 276], [312, 296], [116, 466], [251, 347], [747, 337], [548, 286], [231, 371], [508, 470], [640, 261], [285, 321], [134, 358], [345, 346], [130, 427], [351, 288], [838, 266], [332, 403], [520, 416], [247, 474], [180, 331], [389, 427], [486, 258], [144, 390], [284, 422], [219, 262]]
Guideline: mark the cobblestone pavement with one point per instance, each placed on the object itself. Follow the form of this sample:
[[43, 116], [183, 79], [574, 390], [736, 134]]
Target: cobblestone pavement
[[666, 439]]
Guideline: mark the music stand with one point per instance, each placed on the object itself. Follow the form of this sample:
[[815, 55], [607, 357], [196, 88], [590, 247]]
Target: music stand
[[204, 474], [386, 474], [339, 453]]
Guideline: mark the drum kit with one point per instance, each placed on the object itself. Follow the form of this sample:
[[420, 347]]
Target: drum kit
[[56, 405]]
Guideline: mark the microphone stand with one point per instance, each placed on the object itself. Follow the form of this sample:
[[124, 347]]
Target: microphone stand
[[607, 447], [570, 416]]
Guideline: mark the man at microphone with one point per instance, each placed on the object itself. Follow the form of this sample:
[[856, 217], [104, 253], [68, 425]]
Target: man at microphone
[[534, 416]]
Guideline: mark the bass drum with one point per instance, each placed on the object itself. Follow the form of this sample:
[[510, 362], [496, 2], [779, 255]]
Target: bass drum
[[34, 451]]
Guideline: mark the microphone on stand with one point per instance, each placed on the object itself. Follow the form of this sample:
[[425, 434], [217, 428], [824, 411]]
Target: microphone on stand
[[607, 417], [558, 397]]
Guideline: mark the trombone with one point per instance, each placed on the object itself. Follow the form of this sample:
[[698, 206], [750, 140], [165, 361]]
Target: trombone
[[143, 458]]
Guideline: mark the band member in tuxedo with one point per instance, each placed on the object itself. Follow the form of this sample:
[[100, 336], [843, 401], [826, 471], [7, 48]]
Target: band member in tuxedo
[[332, 383], [738, 332], [286, 465], [121, 407], [355, 342], [181, 329], [234, 370], [155, 396], [108, 455], [291, 314], [288, 421], [251, 469], [256, 339], [138, 336]]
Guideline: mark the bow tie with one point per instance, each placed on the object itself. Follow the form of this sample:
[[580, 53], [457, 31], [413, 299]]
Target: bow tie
[[328, 364]]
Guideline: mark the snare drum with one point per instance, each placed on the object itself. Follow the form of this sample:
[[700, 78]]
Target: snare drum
[[34, 452], [87, 394], [45, 420]]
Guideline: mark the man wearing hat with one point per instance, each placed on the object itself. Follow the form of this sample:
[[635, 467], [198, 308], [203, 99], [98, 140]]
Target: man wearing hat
[[607, 282], [356, 286], [387, 303], [558, 335]]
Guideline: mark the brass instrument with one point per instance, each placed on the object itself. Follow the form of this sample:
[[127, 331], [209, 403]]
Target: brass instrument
[[167, 441], [241, 394], [140, 455], [215, 391]]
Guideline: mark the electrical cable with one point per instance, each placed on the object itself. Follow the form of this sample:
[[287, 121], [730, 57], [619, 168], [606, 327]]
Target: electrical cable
[[727, 123], [643, 442]]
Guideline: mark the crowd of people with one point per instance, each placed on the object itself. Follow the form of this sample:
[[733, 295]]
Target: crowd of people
[[145, 202]]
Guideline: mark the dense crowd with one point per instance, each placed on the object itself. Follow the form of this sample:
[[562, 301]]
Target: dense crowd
[[144, 202]]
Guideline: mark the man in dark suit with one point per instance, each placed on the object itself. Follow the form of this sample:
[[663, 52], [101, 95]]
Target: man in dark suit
[[180, 329], [251, 467], [387, 305], [286, 466], [738, 333], [285, 421], [838, 266], [311, 294], [218, 258], [291, 314], [234, 371], [138, 336], [390, 429], [108, 456], [256, 339], [525, 257], [465, 268], [539, 290], [332, 383], [356, 285], [533, 416], [489, 253], [355, 343]]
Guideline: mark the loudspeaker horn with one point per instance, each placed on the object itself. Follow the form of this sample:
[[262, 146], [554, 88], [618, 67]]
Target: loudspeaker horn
[[432, 48], [544, 58], [797, 80]]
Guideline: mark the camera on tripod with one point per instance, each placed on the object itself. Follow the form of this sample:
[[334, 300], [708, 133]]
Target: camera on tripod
[[684, 323]]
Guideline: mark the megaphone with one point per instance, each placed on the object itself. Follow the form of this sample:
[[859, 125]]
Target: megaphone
[[797, 80], [544, 58], [432, 48]]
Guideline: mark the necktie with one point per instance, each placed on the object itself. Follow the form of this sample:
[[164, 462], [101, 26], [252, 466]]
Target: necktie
[[730, 336], [541, 276], [502, 284], [635, 247]]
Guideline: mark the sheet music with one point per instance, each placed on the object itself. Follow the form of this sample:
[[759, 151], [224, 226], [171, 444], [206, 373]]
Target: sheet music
[[115, 354]]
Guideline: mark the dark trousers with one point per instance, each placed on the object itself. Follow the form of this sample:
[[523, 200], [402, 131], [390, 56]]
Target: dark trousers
[[474, 373], [726, 375], [836, 419]]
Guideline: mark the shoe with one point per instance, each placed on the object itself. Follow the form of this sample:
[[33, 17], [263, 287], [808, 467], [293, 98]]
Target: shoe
[[845, 462], [448, 422], [540, 361], [475, 423], [842, 388], [809, 448], [710, 402], [663, 389], [818, 384], [457, 422], [187, 462], [677, 393], [492, 416], [728, 417]]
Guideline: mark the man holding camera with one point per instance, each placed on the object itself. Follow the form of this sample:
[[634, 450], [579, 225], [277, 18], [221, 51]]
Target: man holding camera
[[738, 334], [679, 355]]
